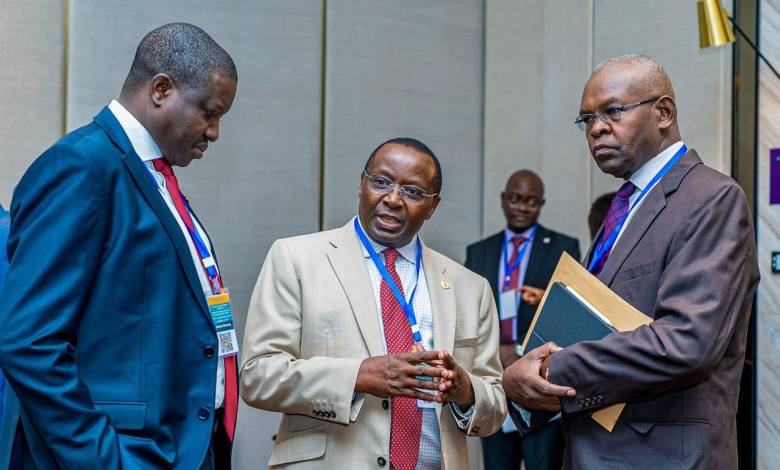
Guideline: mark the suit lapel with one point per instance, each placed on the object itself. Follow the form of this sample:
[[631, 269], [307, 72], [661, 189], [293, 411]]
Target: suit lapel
[[148, 188], [492, 260], [346, 258], [440, 290], [654, 203]]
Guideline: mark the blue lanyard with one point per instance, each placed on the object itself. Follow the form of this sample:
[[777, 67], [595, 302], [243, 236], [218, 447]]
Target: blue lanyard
[[203, 252], [508, 270], [605, 246], [407, 306]]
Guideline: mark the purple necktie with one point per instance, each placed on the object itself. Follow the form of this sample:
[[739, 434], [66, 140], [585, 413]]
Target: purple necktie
[[618, 211]]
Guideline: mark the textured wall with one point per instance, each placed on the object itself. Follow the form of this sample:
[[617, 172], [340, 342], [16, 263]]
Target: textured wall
[[404, 68], [32, 93], [768, 305]]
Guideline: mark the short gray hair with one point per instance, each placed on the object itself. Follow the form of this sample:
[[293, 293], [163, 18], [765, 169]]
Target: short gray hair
[[652, 74]]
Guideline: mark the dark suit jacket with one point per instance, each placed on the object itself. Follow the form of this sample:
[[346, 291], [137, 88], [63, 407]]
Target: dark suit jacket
[[688, 260], [105, 326], [484, 257]]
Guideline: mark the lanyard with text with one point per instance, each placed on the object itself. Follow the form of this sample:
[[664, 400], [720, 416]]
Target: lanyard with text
[[219, 302], [605, 245], [508, 270], [407, 306]]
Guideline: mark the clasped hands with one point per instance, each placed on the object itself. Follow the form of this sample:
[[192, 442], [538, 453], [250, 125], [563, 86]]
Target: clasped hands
[[396, 375], [525, 381]]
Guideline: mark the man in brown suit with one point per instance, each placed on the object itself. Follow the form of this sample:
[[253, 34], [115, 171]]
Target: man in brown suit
[[679, 248]]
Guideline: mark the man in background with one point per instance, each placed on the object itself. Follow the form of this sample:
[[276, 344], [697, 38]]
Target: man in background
[[340, 321], [108, 340], [518, 262], [678, 244]]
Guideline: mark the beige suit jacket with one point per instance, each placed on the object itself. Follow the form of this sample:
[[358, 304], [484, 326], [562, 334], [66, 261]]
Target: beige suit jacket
[[313, 319]]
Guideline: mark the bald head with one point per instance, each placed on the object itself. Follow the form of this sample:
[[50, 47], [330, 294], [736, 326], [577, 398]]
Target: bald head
[[648, 75], [628, 103], [522, 200]]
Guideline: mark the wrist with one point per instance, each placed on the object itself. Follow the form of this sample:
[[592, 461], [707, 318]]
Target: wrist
[[467, 401]]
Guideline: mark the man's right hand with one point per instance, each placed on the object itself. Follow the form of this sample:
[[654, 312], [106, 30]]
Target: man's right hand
[[523, 382], [395, 375]]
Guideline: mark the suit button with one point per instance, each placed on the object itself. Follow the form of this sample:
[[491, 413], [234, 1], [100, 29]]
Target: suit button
[[381, 461], [208, 352], [203, 413], [385, 404]]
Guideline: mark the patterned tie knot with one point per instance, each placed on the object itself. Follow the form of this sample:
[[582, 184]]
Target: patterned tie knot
[[391, 254], [517, 240], [625, 191], [162, 166]]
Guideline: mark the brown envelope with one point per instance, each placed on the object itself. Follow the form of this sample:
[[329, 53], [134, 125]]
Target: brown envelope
[[622, 315]]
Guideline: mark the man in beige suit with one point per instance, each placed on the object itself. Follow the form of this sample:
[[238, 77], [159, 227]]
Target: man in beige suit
[[345, 328]]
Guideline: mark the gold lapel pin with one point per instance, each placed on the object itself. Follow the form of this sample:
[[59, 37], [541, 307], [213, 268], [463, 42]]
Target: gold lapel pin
[[445, 284]]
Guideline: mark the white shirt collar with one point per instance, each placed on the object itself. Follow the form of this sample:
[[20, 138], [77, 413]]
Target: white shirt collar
[[141, 140], [408, 251], [509, 233], [647, 172]]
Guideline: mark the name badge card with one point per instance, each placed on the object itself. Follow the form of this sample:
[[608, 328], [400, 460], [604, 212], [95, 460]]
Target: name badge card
[[507, 305], [222, 316]]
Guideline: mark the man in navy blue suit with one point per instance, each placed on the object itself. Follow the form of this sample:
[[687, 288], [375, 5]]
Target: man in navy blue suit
[[108, 337]]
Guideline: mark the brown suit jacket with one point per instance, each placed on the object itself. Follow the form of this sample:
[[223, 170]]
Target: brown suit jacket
[[688, 259]]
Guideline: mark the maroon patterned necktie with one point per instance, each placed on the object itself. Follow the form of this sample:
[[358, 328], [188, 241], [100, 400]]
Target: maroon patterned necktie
[[618, 211], [406, 417], [231, 377], [508, 326]]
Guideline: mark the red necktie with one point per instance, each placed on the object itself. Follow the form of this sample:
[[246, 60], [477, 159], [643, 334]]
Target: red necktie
[[508, 326], [406, 417], [231, 379], [618, 211]]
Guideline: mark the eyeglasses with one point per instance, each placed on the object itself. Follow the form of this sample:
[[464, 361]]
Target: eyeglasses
[[608, 115], [381, 185], [530, 202]]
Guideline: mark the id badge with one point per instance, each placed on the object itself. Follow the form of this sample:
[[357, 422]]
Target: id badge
[[507, 305], [422, 403], [222, 316]]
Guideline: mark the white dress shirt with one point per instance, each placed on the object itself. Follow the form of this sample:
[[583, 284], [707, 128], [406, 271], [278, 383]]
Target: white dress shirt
[[147, 149], [406, 266], [643, 176]]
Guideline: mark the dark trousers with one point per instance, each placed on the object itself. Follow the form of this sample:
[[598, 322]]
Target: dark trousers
[[541, 450], [220, 450]]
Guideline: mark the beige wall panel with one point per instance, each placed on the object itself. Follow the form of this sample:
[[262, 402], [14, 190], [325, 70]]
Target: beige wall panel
[[31, 51], [514, 94], [407, 68], [768, 304], [259, 182], [667, 30], [537, 58]]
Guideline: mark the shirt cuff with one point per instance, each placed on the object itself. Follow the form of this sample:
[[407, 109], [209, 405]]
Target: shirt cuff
[[462, 418]]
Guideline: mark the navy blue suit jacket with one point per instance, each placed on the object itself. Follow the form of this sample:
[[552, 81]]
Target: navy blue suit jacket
[[106, 331]]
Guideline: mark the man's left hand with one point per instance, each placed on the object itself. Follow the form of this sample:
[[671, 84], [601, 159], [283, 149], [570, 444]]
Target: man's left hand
[[457, 388]]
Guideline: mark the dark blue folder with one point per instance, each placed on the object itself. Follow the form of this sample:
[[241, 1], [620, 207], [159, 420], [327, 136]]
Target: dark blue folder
[[566, 320]]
